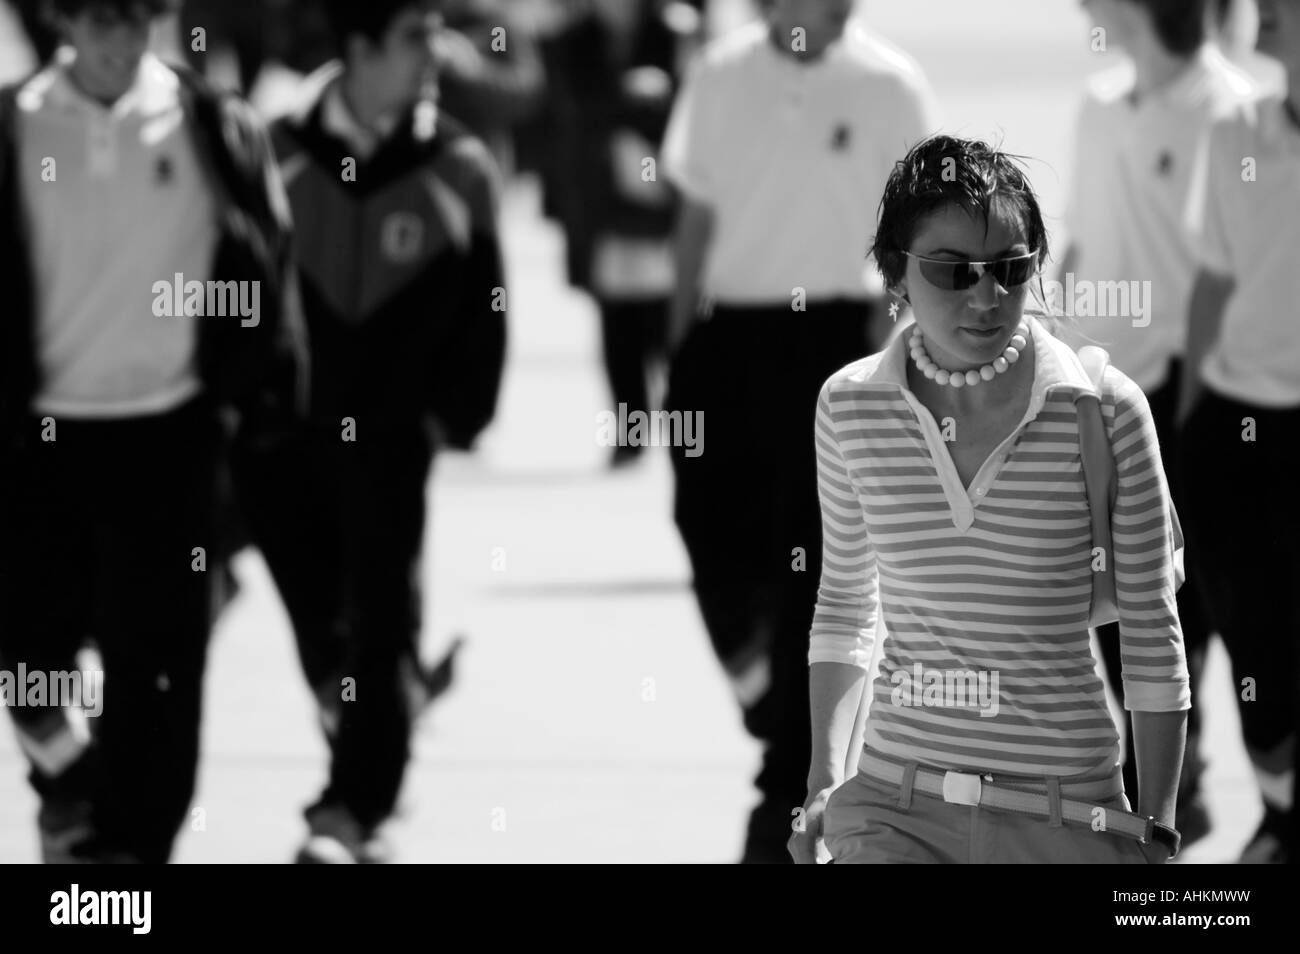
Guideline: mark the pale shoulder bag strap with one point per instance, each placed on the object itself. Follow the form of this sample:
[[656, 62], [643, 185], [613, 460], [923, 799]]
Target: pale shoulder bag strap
[[1101, 483]]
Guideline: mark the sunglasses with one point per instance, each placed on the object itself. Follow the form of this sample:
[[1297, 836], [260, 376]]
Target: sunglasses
[[959, 275]]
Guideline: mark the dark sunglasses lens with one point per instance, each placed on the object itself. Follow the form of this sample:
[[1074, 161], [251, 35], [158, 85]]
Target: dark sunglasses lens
[[950, 276], [1015, 271]]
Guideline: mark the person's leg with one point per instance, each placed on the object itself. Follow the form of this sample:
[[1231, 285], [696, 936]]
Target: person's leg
[[1244, 521], [724, 510], [621, 347], [387, 519], [870, 822], [291, 499], [153, 612], [46, 576], [800, 352], [720, 494]]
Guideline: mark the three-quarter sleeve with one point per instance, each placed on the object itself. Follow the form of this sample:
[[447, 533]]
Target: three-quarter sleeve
[[1154, 663], [844, 622]]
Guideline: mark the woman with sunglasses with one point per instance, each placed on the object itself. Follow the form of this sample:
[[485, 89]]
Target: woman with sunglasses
[[954, 506]]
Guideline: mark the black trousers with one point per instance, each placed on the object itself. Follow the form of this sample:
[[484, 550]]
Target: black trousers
[[633, 334], [748, 513], [1243, 518], [1191, 609], [341, 525], [98, 529]]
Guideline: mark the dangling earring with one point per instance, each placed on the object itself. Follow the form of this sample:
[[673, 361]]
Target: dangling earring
[[894, 305]]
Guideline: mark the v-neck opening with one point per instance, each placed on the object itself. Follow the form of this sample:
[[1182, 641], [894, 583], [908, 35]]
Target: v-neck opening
[[964, 498]]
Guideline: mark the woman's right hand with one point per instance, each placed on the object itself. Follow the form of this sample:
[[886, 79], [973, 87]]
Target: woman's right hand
[[805, 845]]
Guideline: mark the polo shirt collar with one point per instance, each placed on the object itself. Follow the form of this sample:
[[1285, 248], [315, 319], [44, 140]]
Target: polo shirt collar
[[834, 52], [1055, 363], [155, 89], [338, 120]]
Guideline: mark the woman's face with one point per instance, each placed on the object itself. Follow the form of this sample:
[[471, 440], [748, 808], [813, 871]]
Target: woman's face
[[967, 328]]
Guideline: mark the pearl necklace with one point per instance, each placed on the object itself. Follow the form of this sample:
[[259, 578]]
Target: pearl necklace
[[1019, 341]]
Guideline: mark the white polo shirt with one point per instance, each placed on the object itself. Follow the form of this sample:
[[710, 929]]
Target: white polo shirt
[[1247, 218], [1127, 210], [128, 206], [792, 157]]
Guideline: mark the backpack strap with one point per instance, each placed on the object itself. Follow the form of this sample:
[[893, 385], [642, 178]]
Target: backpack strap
[[1101, 484]]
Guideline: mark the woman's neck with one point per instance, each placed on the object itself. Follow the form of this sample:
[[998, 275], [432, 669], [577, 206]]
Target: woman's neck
[[1005, 389]]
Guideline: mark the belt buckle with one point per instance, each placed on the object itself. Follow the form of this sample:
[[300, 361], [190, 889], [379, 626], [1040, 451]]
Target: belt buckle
[[961, 788]]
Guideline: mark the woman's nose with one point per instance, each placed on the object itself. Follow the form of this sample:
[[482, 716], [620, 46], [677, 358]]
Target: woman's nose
[[986, 293]]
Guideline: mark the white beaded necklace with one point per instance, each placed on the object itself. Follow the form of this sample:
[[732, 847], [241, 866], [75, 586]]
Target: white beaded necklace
[[1019, 341]]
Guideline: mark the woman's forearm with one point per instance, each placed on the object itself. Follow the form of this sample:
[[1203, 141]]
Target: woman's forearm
[[1158, 739], [835, 694]]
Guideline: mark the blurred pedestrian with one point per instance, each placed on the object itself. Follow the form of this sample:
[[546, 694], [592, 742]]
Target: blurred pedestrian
[[780, 144], [1136, 137], [111, 409], [612, 78], [1241, 403], [402, 286]]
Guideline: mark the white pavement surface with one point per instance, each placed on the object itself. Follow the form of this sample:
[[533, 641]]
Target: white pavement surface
[[589, 721]]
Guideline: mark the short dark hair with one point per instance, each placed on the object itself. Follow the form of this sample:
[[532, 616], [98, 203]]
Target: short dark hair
[[122, 8], [1180, 24], [370, 18], [944, 171]]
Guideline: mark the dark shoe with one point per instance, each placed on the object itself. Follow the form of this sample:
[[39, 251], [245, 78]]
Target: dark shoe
[[1268, 845], [624, 456], [67, 834], [437, 679], [337, 838]]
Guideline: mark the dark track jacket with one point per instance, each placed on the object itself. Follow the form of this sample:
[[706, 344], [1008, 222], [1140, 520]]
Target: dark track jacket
[[261, 370], [401, 275]]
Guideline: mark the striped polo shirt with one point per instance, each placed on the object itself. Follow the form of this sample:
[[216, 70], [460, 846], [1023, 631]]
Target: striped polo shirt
[[985, 589]]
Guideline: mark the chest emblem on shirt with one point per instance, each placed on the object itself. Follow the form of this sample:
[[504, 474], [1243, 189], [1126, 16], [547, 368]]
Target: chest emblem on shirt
[[401, 237], [163, 171], [1165, 164], [840, 137]]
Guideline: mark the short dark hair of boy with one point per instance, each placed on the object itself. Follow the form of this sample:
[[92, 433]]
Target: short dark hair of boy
[[945, 171], [1179, 24], [120, 8], [370, 18]]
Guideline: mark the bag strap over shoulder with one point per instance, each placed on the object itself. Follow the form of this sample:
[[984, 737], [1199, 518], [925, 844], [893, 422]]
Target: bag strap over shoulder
[[1100, 482]]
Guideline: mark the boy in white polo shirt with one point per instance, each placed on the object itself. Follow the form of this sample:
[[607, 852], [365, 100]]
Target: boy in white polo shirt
[[125, 184], [779, 145], [1136, 138], [1241, 402]]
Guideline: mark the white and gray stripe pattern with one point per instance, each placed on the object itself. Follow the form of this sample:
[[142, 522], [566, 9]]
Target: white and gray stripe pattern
[[993, 582]]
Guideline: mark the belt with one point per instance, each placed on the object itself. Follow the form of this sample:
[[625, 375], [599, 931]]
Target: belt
[[1059, 800]]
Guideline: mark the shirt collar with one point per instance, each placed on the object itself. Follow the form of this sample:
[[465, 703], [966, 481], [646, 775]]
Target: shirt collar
[[1055, 363], [1194, 81], [834, 52], [338, 120], [155, 89]]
